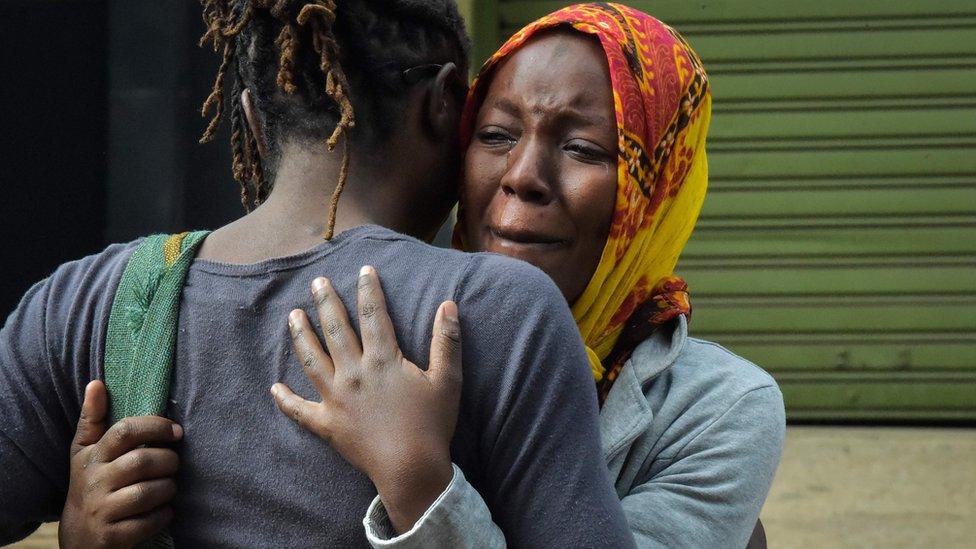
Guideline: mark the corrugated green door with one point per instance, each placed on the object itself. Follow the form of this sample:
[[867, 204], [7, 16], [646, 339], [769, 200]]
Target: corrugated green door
[[837, 247]]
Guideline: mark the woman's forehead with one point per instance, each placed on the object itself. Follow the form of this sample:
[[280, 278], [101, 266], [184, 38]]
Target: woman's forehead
[[561, 50], [565, 69]]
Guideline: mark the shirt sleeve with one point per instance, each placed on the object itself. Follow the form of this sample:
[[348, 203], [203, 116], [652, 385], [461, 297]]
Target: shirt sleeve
[[458, 518], [48, 353], [530, 408], [31, 472], [710, 493]]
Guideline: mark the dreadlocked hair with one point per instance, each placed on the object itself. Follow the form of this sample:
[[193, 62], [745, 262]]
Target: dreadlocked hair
[[318, 70]]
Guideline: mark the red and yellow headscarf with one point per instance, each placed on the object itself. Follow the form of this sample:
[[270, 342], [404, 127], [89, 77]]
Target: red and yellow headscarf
[[663, 107]]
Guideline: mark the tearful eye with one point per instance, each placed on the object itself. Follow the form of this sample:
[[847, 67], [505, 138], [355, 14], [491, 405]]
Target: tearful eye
[[495, 137], [586, 152]]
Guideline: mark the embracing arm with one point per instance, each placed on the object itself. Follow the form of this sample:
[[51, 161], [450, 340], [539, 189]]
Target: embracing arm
[[708, 495], [390, 419], [530, 435], [458, 518], [383, 414]]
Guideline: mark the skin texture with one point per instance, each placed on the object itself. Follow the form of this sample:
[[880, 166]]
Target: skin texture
[[119, 492], [374, 399], [541, 170]]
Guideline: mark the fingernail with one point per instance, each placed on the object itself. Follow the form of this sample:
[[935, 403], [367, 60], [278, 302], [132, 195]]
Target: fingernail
[[365, 270], [319, 284], [450, 311], [274, 390], [177, 431], [295, 317], [450, 327]]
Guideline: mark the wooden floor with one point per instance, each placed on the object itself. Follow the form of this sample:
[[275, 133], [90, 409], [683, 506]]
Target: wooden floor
[[854, 487]]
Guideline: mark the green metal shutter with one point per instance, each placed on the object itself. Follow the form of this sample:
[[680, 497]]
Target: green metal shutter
[[837, 246]]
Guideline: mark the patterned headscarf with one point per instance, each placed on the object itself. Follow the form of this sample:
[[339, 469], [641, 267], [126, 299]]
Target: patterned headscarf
[[663, 107]]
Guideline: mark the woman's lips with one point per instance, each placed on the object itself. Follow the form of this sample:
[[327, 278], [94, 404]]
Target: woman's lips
[[509, 238]]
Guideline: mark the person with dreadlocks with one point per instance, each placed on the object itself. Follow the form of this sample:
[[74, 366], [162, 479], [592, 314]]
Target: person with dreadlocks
[[344, 118]]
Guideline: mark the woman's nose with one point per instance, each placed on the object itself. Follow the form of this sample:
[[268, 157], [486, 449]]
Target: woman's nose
[[526, 176]]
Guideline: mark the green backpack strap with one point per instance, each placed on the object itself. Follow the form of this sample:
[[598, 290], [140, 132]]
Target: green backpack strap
[[142, 325]]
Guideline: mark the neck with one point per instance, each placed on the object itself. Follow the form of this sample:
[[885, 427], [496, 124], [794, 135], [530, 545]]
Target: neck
[[295, 216], [305, 183]]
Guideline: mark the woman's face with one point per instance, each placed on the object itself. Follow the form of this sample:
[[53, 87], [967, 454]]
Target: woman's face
[[541, 170]]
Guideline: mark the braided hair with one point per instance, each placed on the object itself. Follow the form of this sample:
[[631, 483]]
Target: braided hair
[[320, 70]]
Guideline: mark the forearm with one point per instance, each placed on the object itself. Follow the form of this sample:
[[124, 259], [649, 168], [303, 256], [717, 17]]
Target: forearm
[[457, 518], [408, 490]]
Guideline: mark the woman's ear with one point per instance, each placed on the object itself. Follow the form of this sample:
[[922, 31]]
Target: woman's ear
[[254, 122], [443, 108]]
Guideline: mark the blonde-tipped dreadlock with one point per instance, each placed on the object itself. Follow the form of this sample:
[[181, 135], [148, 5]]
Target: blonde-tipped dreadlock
[[301, 20]]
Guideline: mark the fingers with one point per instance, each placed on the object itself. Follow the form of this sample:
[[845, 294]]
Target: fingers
[[445, 346], [135, 529], [92, 422], [340, 338], [140, 465], [315, 362], [298, 409], [139, 498], [379, 339], [132, 432]]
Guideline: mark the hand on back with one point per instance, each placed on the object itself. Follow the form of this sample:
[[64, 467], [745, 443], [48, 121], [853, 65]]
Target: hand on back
[[382, 413], [119, 491]]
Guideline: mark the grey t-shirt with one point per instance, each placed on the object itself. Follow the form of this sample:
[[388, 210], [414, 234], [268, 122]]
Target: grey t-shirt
[[527, 437]]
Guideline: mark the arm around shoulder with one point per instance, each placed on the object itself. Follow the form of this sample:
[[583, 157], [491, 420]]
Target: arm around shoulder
[[531, 421]]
